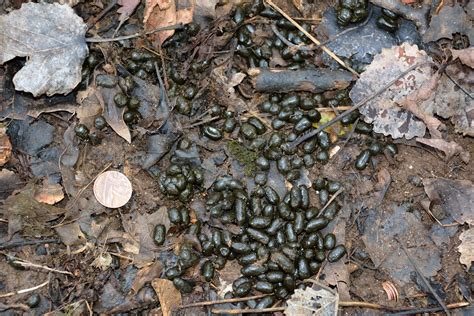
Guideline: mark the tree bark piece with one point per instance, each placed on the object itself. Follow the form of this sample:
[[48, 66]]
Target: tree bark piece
[[316, 81]]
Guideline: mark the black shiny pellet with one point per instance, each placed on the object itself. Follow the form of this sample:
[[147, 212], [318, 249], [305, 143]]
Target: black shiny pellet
[[268, 211], [264, 287], [277, 124], [308, 253], [247, 259], [291, 235], [212, 132], [285, 211], [314, 266], [223, 251], [271, 195], [281, 293], [323, 196], [305, 200], [349, 119], [243, 289], [262, 163], [275, 226], [363, 159], [240, 247], [207, 270], [303, 269], [316, 224], [240, 211], [387, 24], [174, 216], [296, 117], [302, 125], [310, 241], [334, 186], [322, 157], [185, 217], [295, 197], [275, 276], [33, 300], [258, 235], [320, 183], [308, 161], [238, 282], [229, 125], [260, 222], [392, 149], [375, 148], [331, 211], [173, 273], [253, 270], [207, 247], [363, 128], [280, 237], [336, 253], [310, 146], [314, 116], [299, 222], [159, 234], [260, 178], [217, 238], [182, 285], [275, 140], [283, 165], [329, 241], [249, 131], [239, 15], [265, 302], [296, 162], [291, 101], [255, 122], [311, 213], [320, 256], [283, 262], [323, 140], [289, 282]]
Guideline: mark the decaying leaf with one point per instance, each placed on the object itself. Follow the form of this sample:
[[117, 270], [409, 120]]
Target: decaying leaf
[[449, 21], [102, 261], [5, 147], [52, 36], [128, 6], [89, 107], [466, 56], [70, 234], [307, 302], [147, 274], [226, 94], [450, 149], [27, 215], [456, 197], [161, 13], [466, 248], [168, 295], [112, 114], [49, 193], [383, 111]]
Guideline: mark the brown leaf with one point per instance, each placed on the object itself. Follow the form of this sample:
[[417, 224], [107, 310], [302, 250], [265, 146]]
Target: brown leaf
[[112, 114], [26, 214], [466, 56], [161, 13], [49, 193], [168, 295], [456, 197], [466, 248], [450, 149], [89, 107], [146, 274], [5, 147], [128, 6]]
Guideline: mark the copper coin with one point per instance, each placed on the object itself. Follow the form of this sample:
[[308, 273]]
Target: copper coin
[[112, 189]]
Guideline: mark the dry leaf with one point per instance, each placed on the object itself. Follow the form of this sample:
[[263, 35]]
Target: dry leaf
[[450, 149], [449, 21], [161, 13], [52, 37], [456, 197], [309, 302], [383, 111], [26, 214], [466, 248], [102, 261], [168, 295], [71, 234], [146, 274], [49, 193], [466, 56], [89, 107], [112, 114], [128, 6], [5, 147]]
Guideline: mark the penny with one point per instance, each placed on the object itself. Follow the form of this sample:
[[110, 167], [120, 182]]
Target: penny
[[112, 189]]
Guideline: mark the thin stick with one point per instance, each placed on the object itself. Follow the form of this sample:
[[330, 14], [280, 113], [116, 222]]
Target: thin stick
[[28, 242], [333, 197], [28, 264], [247, 311], [312, 38], [4, 307], [229, 300], [121, 38], [432, 309], [31, 289], [425, 282], [356, 106]]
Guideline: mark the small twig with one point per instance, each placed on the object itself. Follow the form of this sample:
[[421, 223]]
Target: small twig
[[333, 197], [224, 301], [248, 311], [418, 311], [29, 264], [425, 282], [312, 38], [203, 122], [28, 242], [356, 106], [31, 289], [4, 307], [121, 38]]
